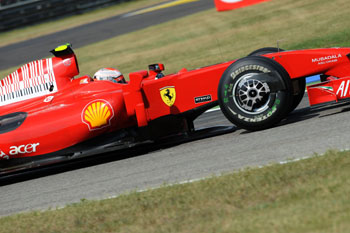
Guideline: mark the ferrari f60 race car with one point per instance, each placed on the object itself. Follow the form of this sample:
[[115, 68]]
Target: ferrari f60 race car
[[47, 115]]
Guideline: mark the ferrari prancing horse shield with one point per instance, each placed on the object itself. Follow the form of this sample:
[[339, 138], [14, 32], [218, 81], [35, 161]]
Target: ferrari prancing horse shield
[[168, 95]]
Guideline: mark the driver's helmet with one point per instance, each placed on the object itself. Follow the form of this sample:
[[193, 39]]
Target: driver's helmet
[[109, 74]]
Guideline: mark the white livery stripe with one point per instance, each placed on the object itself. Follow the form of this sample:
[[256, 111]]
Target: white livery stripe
[[31, 80], [41, 69]]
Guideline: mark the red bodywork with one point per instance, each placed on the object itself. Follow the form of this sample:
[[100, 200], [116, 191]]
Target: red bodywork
[[44, 109], [64, 116], [333, 64]]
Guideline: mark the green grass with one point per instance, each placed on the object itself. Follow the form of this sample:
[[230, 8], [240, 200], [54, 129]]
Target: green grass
[[311, 195]]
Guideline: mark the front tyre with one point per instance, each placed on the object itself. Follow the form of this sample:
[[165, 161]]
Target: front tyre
[[254, 93]]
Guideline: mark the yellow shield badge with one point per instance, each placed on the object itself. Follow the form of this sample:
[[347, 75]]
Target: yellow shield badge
[[168, 95], [97, 114]]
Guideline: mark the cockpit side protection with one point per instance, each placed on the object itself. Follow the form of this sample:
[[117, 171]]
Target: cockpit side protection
[[348, 55]]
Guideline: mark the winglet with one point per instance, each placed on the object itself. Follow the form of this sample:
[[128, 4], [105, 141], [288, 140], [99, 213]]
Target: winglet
[[62, 50]]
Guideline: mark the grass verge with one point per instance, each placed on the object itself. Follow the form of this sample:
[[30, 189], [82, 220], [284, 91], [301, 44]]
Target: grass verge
[[311, 195]]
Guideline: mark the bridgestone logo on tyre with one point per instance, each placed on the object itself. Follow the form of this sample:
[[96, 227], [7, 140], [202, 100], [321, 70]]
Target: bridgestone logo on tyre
[[249, 67], [255, 92]]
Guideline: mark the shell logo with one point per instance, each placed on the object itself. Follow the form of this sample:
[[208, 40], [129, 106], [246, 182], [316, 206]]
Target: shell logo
[[97, 114]]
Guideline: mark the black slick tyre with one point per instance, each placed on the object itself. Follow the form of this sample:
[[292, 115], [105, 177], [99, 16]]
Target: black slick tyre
[[255, 93], [265, 50]]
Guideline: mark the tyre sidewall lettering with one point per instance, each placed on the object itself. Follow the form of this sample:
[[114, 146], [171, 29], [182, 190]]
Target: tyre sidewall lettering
[[235, 75], [240, 74], [246, 68], [259, 117]]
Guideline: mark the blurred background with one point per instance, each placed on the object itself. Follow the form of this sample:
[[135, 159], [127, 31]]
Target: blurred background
[[130, 34], [17, 13]]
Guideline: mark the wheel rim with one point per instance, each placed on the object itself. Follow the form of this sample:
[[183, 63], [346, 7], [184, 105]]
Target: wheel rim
[[250, 95]]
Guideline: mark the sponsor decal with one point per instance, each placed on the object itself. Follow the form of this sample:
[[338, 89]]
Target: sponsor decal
[[202, 99], [31, 80], [3, 155], [224, 5], [97, 114], [84, 81], [48, 99], [247, 68], [24, 149], [343, 89], [67, 62], [330, 89], [168, 95], [326, 59], [260, 117]]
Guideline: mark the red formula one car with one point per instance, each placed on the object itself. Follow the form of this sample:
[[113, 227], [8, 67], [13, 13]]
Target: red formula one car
[[47, 115]]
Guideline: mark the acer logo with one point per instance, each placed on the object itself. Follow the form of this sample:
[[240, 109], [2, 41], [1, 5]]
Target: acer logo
[[23, 149]]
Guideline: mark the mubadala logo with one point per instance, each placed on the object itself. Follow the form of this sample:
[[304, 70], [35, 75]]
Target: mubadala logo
[[3, 155], [24, 149], [326, 58]]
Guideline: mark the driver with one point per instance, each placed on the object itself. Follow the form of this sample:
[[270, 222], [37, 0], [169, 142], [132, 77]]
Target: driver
[[109, 74]]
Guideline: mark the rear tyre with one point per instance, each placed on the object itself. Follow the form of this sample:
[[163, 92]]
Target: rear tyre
[[265, 50], [254, 93]]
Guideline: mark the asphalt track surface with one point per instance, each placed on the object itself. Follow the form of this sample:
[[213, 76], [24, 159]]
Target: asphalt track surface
[[303, 133], [34, 49]]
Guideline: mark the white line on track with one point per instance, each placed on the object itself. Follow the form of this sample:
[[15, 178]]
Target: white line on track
[[205, 178], [189, 181]]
